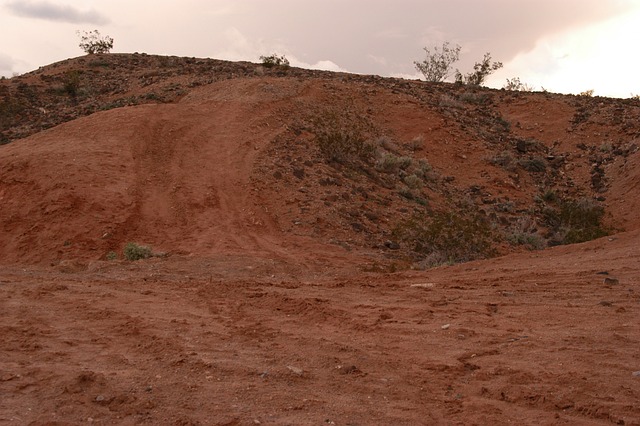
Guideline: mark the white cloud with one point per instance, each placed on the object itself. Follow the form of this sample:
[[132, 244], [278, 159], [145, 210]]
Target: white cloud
[[53, 12], [379, 60], [601, 57], [6, 65]]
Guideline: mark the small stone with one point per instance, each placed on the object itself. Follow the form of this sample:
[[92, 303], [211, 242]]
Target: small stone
[[636, 374], [295, 370], [446, 326], [611, 281], [99, 398], [391, 245], [423, 285]]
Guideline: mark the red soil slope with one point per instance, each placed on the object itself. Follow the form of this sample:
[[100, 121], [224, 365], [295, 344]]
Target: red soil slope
[[261, 312]]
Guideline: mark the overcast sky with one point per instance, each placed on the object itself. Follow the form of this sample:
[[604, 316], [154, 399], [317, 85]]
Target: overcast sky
[[566, 46]]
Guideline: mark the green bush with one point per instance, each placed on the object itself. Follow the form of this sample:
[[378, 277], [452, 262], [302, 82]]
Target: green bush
[[516, 85], [342, 138], [575, 221], [481, 70], [390, 163], [92, 42], [534, 164], [531, 240], [437, 65], [112, 255], [72, 83], [452, 236], [505, 160], [133, 251], [274, 61]]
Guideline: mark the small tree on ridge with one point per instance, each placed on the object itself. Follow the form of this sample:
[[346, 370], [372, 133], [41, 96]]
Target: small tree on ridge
[[92, 42], [437, 66], [481, 70]]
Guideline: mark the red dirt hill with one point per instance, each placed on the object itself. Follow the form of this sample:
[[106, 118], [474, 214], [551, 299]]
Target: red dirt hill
[[277, 202]]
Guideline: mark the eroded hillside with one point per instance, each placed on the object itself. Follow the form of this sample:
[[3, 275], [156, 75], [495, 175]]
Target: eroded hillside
[[212, 157]]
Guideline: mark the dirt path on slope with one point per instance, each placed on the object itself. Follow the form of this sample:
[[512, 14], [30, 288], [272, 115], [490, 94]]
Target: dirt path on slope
[[536, 338], [174, 176]]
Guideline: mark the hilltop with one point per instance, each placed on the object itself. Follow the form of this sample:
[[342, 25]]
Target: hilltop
[[158, 136], [327, 247]]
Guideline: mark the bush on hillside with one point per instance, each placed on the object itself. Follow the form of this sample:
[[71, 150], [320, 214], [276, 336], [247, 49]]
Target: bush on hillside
[[133, 251], [92, 42], [481, 70], [274, 61], [437, 65]]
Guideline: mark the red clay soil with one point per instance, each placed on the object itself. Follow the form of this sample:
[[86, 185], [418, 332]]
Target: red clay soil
[[261, 305]]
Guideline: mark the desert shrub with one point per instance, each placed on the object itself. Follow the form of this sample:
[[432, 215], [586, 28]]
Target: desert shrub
[[390, 163], [437, 65], [417, 143], [92, 42], [423, 169], [534, 164], [274, 61], [343, 145], [549, 196], [504, 159], [71, 84], [342, 137], [475, 98], [575, 221], [454, 236], [586, 93], [413, 181], [481, 70], [133, 251], [448, 101], [516, 85], [532, 241], [112, 255]]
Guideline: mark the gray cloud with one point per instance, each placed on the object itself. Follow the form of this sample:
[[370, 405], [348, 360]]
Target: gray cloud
[[55, 12], [352, 33]]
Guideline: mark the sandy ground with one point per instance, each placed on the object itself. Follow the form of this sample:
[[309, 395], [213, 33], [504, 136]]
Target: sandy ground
[[543, 338]]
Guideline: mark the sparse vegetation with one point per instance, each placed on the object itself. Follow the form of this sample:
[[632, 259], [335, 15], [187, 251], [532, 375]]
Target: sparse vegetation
[[437, 65], [92, 42], [133, 251], [534, 164], [516, 85], [390, 163], [505, 160], [447, 237], [274, 61], [72, 83], [574, 221], [532, 241], [481, 70], [112, 255], [342, 137], [587, 93]]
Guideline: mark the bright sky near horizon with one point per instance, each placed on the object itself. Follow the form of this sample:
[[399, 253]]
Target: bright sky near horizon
[[565, 46]]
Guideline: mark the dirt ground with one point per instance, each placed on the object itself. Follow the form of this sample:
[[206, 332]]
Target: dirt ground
[[277, 294], [539, 338]]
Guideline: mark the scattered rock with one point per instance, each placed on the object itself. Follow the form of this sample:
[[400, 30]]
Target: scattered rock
[[391, 245], [611, 281], [636, 374], [446, 326], [295, 370], [352, 369], [423, 285]]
